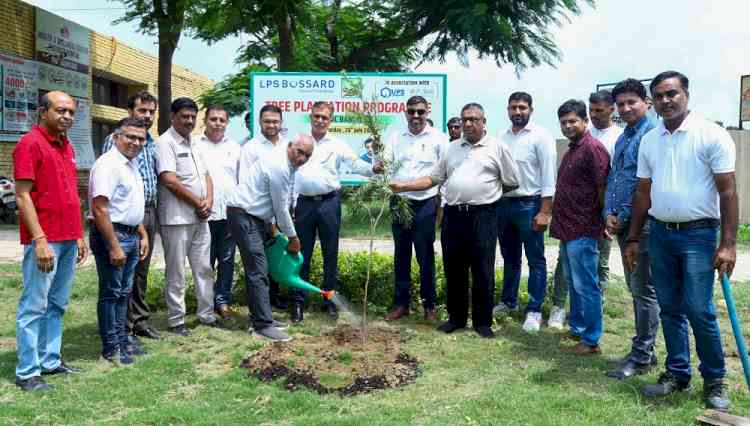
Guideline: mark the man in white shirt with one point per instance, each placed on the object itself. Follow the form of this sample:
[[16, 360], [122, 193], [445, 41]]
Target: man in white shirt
[[220, 155], [524, 214], [317, 212], [248, 126], [270, 139], [687, 187], [602, 128], [185, 200], [415, 151], [476, 171], [118, 239], [263, 196]]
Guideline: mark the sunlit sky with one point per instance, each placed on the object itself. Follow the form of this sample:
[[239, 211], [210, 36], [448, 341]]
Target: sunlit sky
[[707, 41]]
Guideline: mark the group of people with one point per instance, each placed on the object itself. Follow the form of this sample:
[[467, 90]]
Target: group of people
[[664, 189]]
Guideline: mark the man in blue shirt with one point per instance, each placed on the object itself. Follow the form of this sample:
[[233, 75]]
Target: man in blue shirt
[[142, 105], [630, 97]]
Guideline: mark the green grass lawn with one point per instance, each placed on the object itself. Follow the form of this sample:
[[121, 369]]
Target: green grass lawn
[[516, 379]]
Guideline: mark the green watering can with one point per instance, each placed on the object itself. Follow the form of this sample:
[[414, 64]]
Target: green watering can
[[284, 267]]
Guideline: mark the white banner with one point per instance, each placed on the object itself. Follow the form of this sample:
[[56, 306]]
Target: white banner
[[80, 135], [295, 93]]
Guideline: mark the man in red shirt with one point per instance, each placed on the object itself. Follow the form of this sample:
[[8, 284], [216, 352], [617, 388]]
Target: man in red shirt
[[578, 223], [46, 193]]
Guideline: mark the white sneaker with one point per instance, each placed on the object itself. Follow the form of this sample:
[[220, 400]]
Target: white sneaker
[[556, 318], [502, 309], [274, 334], [533, 322]]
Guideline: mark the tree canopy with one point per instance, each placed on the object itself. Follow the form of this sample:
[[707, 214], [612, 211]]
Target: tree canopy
[[373, 35]]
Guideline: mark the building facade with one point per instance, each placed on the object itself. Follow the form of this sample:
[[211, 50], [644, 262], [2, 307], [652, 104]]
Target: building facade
[[105, 75]]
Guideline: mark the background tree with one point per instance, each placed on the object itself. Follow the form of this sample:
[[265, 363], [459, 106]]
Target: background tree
[[166, 19], [378, 35]]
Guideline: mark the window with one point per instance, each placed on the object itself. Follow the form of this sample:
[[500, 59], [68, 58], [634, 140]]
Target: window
[[99, 131], [108, 92]]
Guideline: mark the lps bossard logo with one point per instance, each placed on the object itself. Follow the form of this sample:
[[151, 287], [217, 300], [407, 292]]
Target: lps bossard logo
[[308, 84]]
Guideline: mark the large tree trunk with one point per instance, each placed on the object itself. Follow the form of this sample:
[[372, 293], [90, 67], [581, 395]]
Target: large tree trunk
[[166, 52], [286, 39]]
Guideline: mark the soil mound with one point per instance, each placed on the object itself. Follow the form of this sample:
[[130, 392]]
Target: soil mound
[[337, 362]]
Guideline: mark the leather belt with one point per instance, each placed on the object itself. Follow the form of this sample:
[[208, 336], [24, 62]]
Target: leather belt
[[319, 197], [693, 224], [522, 199], [469, 208], [125, 228]]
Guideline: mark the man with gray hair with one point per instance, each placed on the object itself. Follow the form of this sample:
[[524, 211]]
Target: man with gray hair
[[262, 195], [475, 171]]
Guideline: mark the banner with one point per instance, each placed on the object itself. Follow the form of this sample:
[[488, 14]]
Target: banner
[[80, 135], [61, 42], [19, 93], [70, 82], [745, 98], [386, 93]]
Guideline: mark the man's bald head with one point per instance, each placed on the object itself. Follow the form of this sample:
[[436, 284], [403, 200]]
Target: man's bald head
[[56, 112], [300, 149]]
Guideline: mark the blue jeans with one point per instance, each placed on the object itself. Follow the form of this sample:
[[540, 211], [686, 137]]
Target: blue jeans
[[682, 271], [514, 224], [40, 309], [115, 285], [580, 264], [420, 233], [222, 261]]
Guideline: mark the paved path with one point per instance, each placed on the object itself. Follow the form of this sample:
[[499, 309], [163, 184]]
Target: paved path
[[10, 250]]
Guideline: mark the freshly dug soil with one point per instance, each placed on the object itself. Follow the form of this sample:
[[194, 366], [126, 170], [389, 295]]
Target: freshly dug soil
[[336, 362]]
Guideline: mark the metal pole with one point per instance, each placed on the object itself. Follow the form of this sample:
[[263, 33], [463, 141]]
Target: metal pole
[[736, 328]]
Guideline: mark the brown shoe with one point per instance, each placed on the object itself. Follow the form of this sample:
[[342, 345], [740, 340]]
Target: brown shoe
[[582, 349], [571, 337], [429, 315], [401, 311], [224, 312]]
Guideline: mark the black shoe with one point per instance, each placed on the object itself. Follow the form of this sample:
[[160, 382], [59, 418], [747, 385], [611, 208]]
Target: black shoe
[[134, 350], [715, 395], [62, 369], [181, 330], [297, 313], [35, 383], [331, 310], [280, 303], [449, 327], [147, 332], [667, 384], [628, 369], [485, 332]]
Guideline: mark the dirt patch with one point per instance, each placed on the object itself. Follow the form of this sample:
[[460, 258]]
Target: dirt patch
[[337, 362]]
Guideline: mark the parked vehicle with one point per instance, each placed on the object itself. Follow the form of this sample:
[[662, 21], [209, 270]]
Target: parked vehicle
[[8, 201]]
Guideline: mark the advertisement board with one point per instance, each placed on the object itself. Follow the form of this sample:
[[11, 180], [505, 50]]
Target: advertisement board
[[70, 82], [387, 93], [19, 93], [61, 42], [745, 98]]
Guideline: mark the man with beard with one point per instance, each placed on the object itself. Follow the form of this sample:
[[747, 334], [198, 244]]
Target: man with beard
[[524, 214], [454, 128]]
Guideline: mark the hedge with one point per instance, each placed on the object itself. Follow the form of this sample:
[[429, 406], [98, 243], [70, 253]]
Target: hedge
[[352, 273]]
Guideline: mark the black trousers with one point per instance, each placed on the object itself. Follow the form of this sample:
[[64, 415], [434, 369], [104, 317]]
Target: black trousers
[[471, 235], [318, 217], [138, 312]]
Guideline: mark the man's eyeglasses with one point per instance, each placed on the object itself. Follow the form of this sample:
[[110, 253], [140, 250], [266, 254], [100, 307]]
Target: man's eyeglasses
[[133, 138], [473, 120], [454, 126], [413, 111]]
